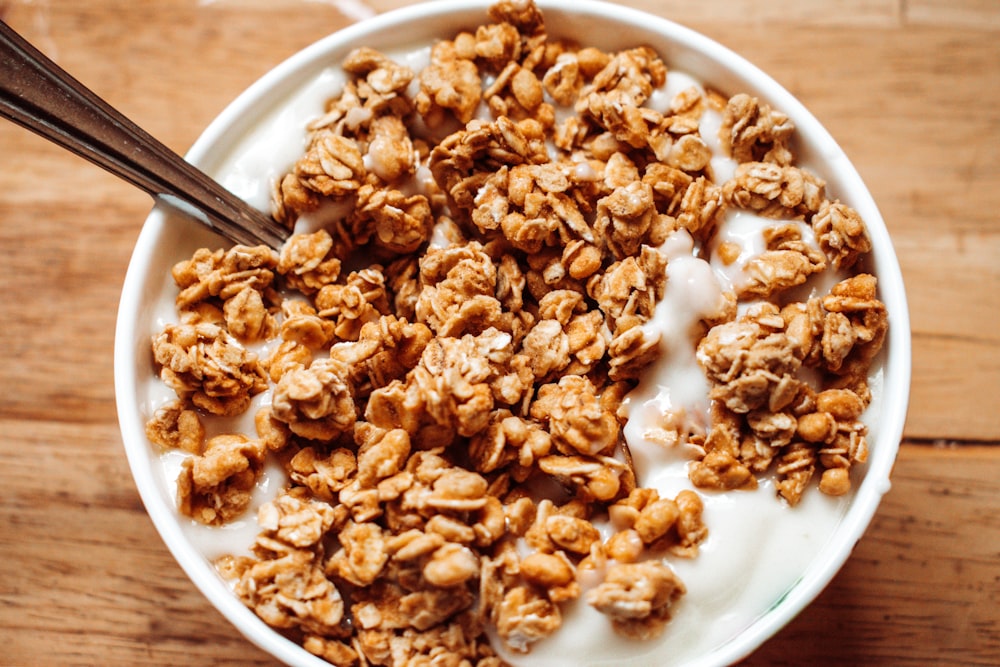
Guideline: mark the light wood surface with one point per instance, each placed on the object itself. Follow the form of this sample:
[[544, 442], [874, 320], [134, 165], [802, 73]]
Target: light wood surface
[[911, 90]]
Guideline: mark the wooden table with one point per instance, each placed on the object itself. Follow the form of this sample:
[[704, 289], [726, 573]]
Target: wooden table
[[911, 89]]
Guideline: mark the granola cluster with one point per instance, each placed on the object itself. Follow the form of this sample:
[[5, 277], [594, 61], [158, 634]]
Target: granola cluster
[[789, 379], [764, 412], [447, 357]]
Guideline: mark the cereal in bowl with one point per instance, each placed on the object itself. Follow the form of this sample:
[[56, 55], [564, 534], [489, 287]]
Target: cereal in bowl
[[444, 364]]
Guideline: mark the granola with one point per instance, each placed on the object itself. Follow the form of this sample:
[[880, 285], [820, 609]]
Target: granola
[[451, 358]]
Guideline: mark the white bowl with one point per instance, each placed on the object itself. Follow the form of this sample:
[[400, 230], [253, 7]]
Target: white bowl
[[165, 239]]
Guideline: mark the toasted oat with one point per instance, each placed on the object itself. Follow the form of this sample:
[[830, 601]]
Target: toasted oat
[[315, 402], [769, 414], [773, 190], [637, 597], [787, 262], [841, 233], [177, 425], [206, 365], [754, 132], [216, 486]]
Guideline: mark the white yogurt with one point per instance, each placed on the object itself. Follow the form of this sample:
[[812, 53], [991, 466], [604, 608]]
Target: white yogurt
[[674, 391], [723, 166], [757, 547], [755, 552], [745, 230]]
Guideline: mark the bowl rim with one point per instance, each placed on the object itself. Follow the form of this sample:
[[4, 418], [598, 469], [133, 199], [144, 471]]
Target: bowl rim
[[297, 69]]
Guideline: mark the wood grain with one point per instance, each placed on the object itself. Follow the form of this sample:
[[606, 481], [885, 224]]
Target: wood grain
[[911, 90]]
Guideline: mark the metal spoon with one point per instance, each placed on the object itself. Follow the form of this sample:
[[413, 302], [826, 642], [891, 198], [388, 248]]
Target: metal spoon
[[39, 95]]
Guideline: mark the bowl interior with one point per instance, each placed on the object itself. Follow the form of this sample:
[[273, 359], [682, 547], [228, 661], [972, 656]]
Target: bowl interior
[[166, 238]]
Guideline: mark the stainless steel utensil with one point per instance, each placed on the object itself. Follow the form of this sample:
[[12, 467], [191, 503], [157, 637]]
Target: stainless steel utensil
[[41, 96]]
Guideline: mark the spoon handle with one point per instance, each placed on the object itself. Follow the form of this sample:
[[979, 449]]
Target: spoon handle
[[39, 95]]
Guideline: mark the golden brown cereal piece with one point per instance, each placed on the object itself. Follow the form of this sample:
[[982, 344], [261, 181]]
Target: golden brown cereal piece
[[334, 651], [390, 150], [232, 288], [272, 433], [575, 418], [630, 351], [306, 261], [413, 544], [637, 597], [835, 482], [284, 574], [628, 291], [525, 16], [459, 284], [315, 402], [841, 233], [750, 364], [453, 380], [721, 470], [754, 132], [450, 83], [690, 526], [507, 439], [400, 223], [788, 261], [451, 565], [290, 198], [386, 350], [571, 533], [796, 465], [333, 166], [324, 476], [381, 454], [516, 93], [772, 190], [765, 433], [217, 486], [627, 218], [817, 427], [841, 404], [689, 153], [655, 519], [861, 323], [524, 616], [599, 478], [302, 325], [497, 45], [459, 490], [701, 202], [554, 573], [177, 425], [625, 546], [361, 298], [206, 365], [614, 96], [287, 355], [362, 554], [564, 80], [247, 317], [380, 73], [298, 521], [463, 161]]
